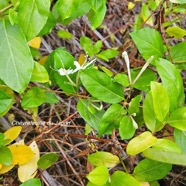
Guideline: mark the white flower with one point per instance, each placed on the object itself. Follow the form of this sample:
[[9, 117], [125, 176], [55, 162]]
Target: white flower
[[64, 72]]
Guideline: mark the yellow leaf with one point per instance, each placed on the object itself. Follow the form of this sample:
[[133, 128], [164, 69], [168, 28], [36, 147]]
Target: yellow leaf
[[82, 59], [6, 168], [131, 5], [21, 154], [12, 133], [35, 42], [1, 166], [29, 170], [43, 60]]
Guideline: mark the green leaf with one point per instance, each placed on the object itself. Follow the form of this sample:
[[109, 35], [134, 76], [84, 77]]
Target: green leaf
[[178, 1], [51, 97], [149, 114], [149, 42], [51, 22], [106, 70], [96, 17], [103, 158], [178, 53], [87, 45], [5, 156], [97, 14], [101, 86], [166, 145], [160, 101], [32, 182], [16, 61], [143, 83], [146, 15], [122, 79], [97, 46], [93, 118], [138, 23], [13, 16], [180, 139], [62, 59], [178, 119], [3, 4], [2, 140], [33, 15], [120, 178], [134, 104], [111, 119], [141, 143], [47, 160], [166, 157], [154, 183], [64, 34], [72, 9], [34, 97], [39, 73], [176, 32], [150, 170], [6, 99], [99, 176], [126, 128], [91, 184], [172, 82], [107, 54]]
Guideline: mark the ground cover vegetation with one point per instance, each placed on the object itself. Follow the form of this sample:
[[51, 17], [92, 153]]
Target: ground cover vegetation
[[92, 92]]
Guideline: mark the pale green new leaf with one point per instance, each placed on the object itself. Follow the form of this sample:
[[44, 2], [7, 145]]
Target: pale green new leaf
[[99, 176], [172, 82], [33, 182], [91, 184], [146, 15], [165, 156], [149, 114], [126, 128], [166, 145], [150, 170], [16, 60], [103, 158], [141, 143], [120, 178], [178, 53], [180, 139], [149, 42], [176, 32], [178, 119], [39, 73], [160, 101], [178, 1], [33, 15], [64, 34], [101, 86]]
